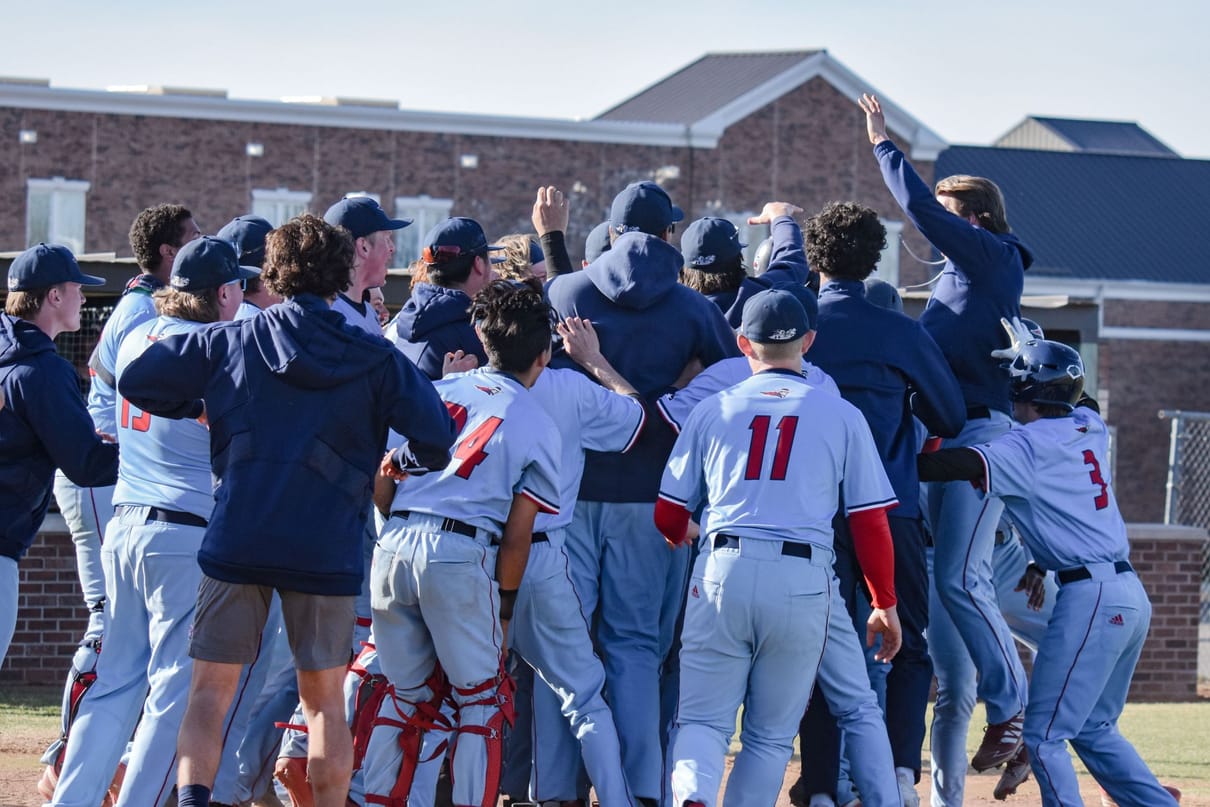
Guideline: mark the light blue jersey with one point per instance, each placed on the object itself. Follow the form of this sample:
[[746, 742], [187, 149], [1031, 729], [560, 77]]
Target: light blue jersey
[[588, 417], [134, 308], [676, 406], [164, 462], [507, 444], [1052, 476], [767, 457], [359, 315], [247, 310]]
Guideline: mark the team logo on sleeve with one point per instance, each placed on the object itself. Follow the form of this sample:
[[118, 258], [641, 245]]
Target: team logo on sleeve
[[487, 390], [776, 393]]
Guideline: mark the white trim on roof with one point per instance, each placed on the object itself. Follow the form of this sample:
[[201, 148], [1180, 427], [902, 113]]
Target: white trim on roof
[[354, 117], [1119, 289], [1154, 334], [925, 143]]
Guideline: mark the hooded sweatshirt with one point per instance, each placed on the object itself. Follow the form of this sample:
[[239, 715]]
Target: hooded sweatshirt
[[650, 327], [435, 321], [43, 425], [981, 282], [787, 264], [299, 403]]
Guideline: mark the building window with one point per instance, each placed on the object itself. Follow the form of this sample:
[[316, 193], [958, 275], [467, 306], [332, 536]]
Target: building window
[[281, 205], [425, 212], [55, 212], [888, 263]]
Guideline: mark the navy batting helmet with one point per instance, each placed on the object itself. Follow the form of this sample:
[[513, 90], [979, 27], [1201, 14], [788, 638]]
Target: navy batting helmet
[[1046, 372], [1034, 328], [760, 259]]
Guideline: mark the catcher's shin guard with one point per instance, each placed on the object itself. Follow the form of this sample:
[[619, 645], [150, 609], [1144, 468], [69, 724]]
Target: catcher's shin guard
[[369, 692], [411, 720], [83, 675], [483, 710]]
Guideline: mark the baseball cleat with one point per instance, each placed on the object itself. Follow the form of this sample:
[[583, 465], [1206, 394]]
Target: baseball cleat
[[1015, 772], [1001, 742]]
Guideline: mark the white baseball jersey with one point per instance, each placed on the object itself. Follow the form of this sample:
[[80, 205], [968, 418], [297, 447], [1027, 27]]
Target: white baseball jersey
[[768, 457], [134, 307], [359, 315], [164, 462], [1053, 478], [507, 444], [676, 406], [587, 416]]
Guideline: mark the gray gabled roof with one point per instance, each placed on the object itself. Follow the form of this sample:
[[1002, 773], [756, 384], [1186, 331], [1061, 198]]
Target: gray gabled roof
[[1100, 216], [703, 87], [1096, 136]]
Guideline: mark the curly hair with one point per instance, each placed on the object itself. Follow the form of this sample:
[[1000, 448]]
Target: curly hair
[[153, 228], [306, 255], [844, 240], [514, 321], [516, 255], [978, 197]]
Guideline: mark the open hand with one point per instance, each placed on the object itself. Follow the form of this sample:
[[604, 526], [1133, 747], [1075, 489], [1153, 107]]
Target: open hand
[[875, 121], [886, 622], [1033, 583], [580, 340], [774, 210]]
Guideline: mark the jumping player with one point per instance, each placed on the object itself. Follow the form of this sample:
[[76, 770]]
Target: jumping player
[[1049, 473], [450, 558], [759, 598]]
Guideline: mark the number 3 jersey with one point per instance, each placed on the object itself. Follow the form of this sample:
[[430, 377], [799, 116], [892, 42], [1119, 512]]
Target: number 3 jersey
[[163, 462], [1053, 476], [769, 457], [506, 444]]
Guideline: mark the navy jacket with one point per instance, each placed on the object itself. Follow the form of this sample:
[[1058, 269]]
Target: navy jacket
[[881, 360], [299, 403], [980, 283], [435, 321], [44, 425], [650, 327], [787, 264]]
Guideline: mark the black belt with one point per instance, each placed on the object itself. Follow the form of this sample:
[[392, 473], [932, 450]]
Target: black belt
[[1081, 572], [447, 524], [540, 537], [166, 516], [791, 548], [977, 412]]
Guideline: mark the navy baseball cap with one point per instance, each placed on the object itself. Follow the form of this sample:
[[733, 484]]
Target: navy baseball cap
[[454, 238], [643, 206], [774, 316], [536, 255], [207, 263], [44, 265], [883, 294], [597, 243], [362, 216], [247, 234], [710, 243], [804, 295]]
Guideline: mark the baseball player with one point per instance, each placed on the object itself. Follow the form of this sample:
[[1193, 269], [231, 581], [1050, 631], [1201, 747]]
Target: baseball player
[[373, 235], [1050, 474], [44, 423], [451, 556], [979, 285], [759, 598], [162, 502], [714, 258], [302, 363], [247, 234]]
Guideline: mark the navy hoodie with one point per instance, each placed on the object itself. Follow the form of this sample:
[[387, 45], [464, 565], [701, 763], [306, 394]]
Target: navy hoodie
[[981, 282], [881, 360], [44, 425], [299, 403], [435, 321], [787, 264], [650, 327]]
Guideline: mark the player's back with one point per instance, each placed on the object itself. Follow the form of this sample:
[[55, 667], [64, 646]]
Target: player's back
[[134, 307], [775, 452], [1053, 475], [506, 444], [164, 462]]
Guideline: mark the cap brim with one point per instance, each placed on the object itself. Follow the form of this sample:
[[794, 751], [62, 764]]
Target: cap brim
[[91, 280], [397, 224], [677, 214], [491, 247], [498, 260], [246, 272]]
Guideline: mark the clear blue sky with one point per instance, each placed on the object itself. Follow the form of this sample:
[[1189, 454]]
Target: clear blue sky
[[969, 70]]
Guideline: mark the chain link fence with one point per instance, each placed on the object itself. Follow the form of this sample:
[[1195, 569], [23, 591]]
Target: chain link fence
[[77, 346], [1187, 500]]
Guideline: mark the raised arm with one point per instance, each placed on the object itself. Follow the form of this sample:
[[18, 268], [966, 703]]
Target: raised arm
[[787, 260], [551, 214]]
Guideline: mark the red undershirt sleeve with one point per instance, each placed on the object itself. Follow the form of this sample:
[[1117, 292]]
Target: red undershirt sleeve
[[672, 520], [876, 553]]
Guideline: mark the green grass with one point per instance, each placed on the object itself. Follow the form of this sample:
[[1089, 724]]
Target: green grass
[[27, 705]]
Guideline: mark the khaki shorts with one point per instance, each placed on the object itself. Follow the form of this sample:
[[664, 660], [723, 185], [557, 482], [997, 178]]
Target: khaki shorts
[[231, 616]]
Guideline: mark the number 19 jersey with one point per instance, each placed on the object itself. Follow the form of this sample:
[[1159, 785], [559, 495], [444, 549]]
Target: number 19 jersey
[[506, 444], [769, 456]]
